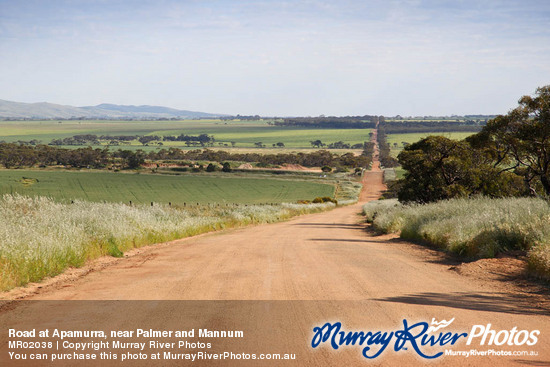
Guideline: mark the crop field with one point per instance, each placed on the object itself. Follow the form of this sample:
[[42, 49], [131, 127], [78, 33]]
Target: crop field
[[293, 137], [244, 133], [266, 150], [414, 137], [64, 186]]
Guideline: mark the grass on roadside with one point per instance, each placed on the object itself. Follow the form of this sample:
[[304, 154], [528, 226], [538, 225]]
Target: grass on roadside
[[475, 228], [40, 237]]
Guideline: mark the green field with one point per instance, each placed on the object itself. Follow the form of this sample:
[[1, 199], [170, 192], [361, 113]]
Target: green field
[[414, 137], [143, 188], [243, 133]]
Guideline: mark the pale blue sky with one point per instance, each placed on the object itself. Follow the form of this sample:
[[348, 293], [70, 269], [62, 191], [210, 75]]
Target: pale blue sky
[[266, 57]]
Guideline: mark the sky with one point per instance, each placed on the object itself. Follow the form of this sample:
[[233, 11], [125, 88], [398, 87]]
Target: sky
[[277, 58]]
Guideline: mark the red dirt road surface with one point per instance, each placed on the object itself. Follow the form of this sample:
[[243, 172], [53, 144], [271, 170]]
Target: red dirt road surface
[[304, 272]]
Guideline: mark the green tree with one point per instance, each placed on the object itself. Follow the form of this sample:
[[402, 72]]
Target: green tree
[[439, 168], [521, 139]]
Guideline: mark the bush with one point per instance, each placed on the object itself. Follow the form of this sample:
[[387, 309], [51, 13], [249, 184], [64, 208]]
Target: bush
[[324, 199], [226, 167]]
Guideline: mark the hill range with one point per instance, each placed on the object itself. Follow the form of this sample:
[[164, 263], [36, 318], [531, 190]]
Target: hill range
[[44, 110]]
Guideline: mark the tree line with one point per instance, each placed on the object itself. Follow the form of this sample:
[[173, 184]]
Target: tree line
[[437, 126], [314, 159], [17, 156], [91, 139], [14, 155], [347, 122], [386, 160], [391, 127]]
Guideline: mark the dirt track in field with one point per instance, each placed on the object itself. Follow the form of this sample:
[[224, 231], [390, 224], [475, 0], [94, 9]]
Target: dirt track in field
[[366, 281]]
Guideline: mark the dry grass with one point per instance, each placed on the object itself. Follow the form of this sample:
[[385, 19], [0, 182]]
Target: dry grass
[[40, 237], [477, 228]]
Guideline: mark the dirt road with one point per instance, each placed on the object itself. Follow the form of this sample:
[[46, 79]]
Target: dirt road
[[327, 264]]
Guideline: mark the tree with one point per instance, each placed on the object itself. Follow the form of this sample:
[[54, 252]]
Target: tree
[[210, 168], [226, 167], [386, 159], [431, 172], [521, 139], [280, 144], [317, 143], [338, 145], [147, 139], [133, 159], [439, 168]]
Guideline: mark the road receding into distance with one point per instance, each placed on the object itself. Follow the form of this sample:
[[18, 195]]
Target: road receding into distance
[[329, 265]]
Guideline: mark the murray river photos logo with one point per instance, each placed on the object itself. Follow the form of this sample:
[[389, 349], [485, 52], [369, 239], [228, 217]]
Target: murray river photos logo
[[418, 337]]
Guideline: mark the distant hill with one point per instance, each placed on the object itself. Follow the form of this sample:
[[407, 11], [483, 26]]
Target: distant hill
[[43, 110]]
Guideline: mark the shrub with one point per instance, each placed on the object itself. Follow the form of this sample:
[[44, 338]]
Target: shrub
[[324, 199], [226, 167]]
